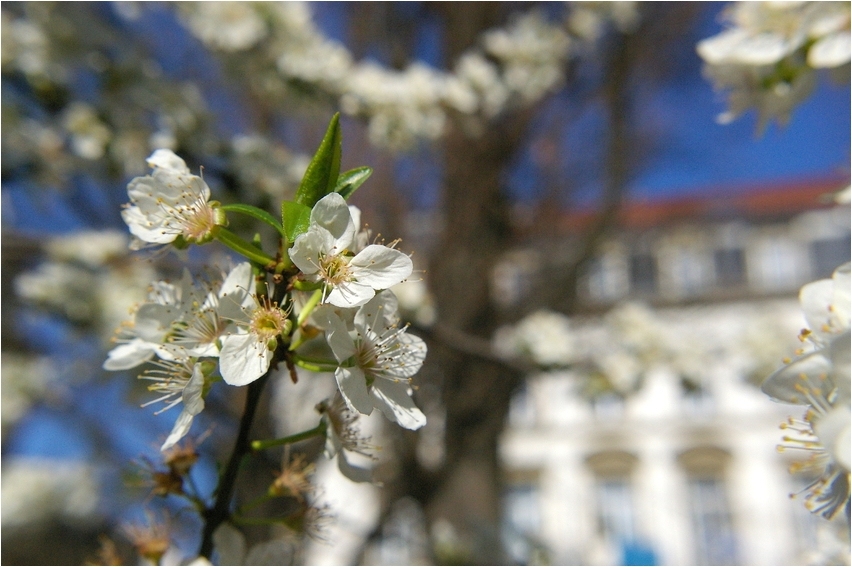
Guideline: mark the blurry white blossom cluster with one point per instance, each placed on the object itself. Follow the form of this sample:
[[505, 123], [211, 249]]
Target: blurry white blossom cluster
[[37, 489], [266, 165], [25, 48], [25, 380], [88, 278], [281, 54], [139, 110], [512, 66], [613, 354], [768, 57]]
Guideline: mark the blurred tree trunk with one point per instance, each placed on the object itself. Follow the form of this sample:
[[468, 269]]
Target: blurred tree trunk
[[476, 231], [476, 392]]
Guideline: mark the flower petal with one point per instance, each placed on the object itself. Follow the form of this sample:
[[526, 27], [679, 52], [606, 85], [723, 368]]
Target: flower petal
[[815, 298], [409, 358], [830, 51], [840, 308], [378, 313], [310, 247], [129, 355], [336, 333], [142, 228], [181, 428], [351, 294], [381, 267], [352, 472], [785, 384], [833, 432], [393, 400], [243, 359], [353, 388], [167, 159], [332, 213], [192, 396], [235, 293], [838, 352]]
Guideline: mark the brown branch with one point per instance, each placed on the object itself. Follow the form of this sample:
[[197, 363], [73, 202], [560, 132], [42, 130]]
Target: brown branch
[[221, 510]]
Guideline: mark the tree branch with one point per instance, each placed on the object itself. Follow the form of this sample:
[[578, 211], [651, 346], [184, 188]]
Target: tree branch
[[213, 517]]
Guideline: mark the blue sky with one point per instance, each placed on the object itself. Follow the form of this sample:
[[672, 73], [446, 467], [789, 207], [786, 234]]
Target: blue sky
[[700, 153]]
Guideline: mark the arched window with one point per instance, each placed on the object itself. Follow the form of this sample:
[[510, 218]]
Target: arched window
[[713, 531]]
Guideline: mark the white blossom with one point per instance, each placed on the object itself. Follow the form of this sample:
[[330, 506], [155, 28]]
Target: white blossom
[[93, 248], [229, 26], [169, 203], [323, 254], [214, 308], [819, 378], [35, 490], [342, 437], [177, 382], [377, 359], [152, 326], [767, 56], [246, 351], [545, 337]]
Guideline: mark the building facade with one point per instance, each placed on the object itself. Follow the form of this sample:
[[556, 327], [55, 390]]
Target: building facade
[[680, 471]]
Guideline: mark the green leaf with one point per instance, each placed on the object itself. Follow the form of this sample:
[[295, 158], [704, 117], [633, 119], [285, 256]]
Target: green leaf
[[349, 181], [296, 218], [321, 175], [259, 214]]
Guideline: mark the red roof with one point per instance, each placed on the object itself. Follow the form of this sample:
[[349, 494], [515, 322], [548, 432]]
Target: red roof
[[764, 201]]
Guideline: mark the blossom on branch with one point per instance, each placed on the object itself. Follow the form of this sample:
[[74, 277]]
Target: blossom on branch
[[377, 359], [170, 204], [767, 57], [153, 323], [246, 353], [323, 255], [819, 379]]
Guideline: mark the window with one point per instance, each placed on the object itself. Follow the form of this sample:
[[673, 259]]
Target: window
[[730, 267], [687, 271], [715, 543], [827, 255], [614, 497], [521, 521], [778, 264], [643, 273], [615, 509], [607, 278]]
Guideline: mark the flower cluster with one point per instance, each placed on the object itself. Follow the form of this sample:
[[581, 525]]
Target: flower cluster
[[819, 379], [329, 287], [769, 55], [510, 67], [321, 301]]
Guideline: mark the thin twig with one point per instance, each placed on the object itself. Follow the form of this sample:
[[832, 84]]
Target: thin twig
[[213, 517]]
